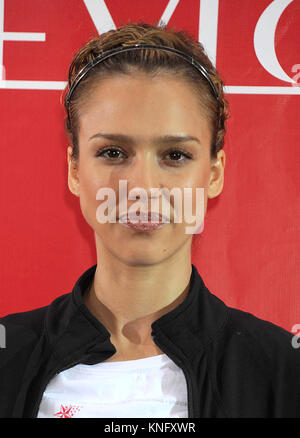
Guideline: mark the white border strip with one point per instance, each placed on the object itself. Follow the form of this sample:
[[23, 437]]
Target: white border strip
[[60, 85], [33, 85], [23, 36], [235, 89]]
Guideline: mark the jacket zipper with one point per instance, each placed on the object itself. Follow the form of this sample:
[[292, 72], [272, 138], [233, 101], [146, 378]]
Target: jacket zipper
[[180, 364]]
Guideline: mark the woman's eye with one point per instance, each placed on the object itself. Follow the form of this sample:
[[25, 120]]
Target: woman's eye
[[176, 155], [110, 153]]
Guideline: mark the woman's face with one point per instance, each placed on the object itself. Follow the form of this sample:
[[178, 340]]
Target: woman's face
[[122, 127]]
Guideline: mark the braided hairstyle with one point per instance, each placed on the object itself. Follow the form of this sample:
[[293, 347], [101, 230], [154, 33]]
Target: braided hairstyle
[[150, 61]]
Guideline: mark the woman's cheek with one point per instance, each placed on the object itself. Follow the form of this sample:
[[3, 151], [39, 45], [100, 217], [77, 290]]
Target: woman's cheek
[[88, 201]]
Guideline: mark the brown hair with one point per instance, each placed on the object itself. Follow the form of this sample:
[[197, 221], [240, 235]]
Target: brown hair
[[149, 61]]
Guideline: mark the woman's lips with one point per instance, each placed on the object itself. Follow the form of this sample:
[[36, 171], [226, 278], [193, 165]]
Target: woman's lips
[[144, 222]]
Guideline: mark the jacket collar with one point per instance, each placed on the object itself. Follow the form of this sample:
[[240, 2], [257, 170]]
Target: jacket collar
[[195, 322], [73, 331]]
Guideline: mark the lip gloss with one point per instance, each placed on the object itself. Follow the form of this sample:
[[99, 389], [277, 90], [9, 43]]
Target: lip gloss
[[143, 225]]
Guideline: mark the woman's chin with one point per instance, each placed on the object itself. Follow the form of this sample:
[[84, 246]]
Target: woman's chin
[[142, 257]]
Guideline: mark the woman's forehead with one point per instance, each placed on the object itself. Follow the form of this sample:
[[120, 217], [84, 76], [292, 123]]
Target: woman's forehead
[[142, 100]]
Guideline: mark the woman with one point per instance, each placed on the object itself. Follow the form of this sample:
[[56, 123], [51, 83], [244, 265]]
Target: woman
[[140, 335]]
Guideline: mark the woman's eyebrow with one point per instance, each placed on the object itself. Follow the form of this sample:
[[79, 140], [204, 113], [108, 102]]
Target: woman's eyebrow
[[164, 139]]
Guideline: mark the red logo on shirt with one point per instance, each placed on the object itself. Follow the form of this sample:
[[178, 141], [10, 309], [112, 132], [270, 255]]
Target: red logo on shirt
[[67, 411]]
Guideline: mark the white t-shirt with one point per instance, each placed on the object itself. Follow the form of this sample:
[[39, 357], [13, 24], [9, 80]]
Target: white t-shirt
[[153, 387]]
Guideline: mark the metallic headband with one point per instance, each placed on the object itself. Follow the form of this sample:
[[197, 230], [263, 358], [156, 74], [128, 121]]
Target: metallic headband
[[122, 49]]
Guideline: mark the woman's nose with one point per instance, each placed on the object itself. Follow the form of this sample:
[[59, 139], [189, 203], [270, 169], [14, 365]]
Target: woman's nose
[[144, 177]]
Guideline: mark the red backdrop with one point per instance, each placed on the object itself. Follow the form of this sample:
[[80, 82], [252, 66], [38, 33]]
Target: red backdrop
[[249, 252]]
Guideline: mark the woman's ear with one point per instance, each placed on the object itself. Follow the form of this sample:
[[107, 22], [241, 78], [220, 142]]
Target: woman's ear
[[73, 180], [216, 182]]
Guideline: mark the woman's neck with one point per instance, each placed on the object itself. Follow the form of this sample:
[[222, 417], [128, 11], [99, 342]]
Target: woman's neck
[[128, 299]]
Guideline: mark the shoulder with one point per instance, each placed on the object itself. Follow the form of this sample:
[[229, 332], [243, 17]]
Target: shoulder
[[20, 331], [23, 327], [255, 340], [264, 336], [20, 334], [29, 320], [257, 367]]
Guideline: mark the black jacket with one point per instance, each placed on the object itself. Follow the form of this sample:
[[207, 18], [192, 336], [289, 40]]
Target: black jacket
[[236, 365]]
